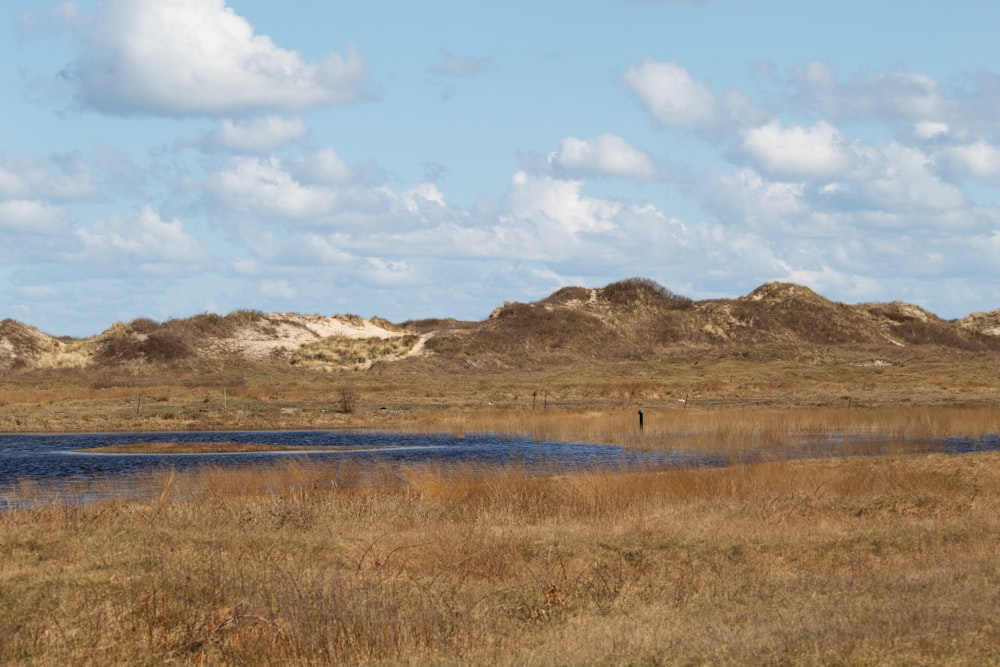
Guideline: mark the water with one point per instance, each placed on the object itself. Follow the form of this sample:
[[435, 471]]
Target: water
[[62, 459], [59, 460]]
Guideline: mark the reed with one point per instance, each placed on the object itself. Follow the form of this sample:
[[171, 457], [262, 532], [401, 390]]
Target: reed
[[722, 430], [854, 560], [857, 560]]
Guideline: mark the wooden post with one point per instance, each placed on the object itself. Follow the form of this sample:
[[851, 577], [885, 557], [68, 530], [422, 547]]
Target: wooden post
[[640, 421]]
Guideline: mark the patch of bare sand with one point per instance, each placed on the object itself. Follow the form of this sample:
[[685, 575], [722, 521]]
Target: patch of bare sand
[[286, 332], [984, 323]]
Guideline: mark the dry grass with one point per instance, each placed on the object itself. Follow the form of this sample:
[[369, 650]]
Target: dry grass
[[853, 561], [887, 560], [236, 393], [352, 353], [730, 430]]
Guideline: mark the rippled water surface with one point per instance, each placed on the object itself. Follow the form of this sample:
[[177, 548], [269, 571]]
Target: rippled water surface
[[51, 457], [64, 458]]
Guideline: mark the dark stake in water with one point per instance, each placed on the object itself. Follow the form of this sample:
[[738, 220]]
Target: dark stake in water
[[59, 460]]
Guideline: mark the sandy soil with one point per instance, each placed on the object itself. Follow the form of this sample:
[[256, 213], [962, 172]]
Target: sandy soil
[[290, 331]]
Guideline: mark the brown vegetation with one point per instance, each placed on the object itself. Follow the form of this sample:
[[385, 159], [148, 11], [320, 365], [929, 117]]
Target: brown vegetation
[[859, 560], [632, 319], [851, 561]]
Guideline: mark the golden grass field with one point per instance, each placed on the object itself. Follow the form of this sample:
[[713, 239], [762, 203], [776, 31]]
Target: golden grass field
[[858, 560]]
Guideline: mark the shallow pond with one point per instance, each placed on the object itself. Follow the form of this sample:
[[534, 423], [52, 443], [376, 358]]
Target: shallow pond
[[41, 457], [62, 459]]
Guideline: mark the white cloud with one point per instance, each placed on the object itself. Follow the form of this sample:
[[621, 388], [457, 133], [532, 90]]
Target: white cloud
[[904, 181], [390, 273], [417, 198], [324, 167], [929, 129], [828, 280], [798, 152], [902, 93], [62, 178], [557, 205], [850, 176], [539, 219], [146, 239], [263, 187], [318, 191], [606, 155], [978, 159], [326, 249], [668, 92], [875, 94], [32, 217], [257, 135], [754, 200], [200, 57]]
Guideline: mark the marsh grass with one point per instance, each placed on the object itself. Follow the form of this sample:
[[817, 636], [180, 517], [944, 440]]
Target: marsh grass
[[457, 392], [837, 561], [857, 560], [732, 431]]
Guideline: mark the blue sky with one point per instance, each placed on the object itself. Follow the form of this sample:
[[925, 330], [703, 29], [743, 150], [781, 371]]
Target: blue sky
[[164, 158]]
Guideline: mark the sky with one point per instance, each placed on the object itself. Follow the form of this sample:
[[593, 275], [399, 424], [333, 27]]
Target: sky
[[165, 158]]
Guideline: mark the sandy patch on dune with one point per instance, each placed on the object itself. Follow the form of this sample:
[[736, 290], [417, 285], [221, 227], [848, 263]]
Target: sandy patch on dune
[[343, 327], [290, 331]]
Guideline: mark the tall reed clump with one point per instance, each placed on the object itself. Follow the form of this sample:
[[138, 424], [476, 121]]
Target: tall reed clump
[[724, 430], [888, 560]]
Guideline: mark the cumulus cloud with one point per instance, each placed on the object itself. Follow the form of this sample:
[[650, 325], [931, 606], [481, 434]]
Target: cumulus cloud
[[558, 205], [606, 155], [829, 280], [424, 198], [851, 176], [62, 178], [670, 95], [905, 181], [390, 273], [875, 94], [749, 197], [890, 187], [264, 187], [319, 191], [979, 159], [31, 217], [256, 135], [324, 167], [798, 152], [200, 57], [929, 129], [145, 240]]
